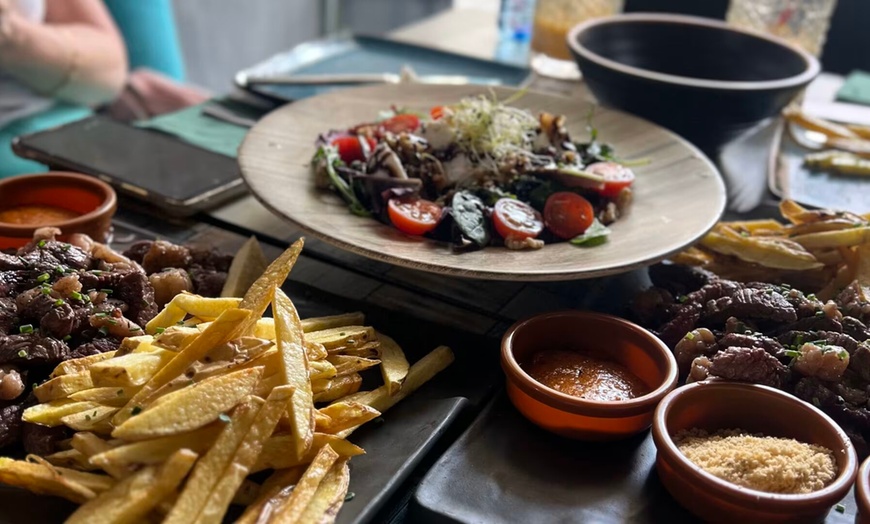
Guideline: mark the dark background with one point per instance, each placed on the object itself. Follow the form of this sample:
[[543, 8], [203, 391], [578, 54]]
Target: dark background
[[848, 44]]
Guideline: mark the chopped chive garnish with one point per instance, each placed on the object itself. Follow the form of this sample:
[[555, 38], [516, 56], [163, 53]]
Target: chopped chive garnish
[[43, 277], [223, 417], [92, 290], [101, 314], [59, 302], [160, 330], [811, 296], [839, 508], [816, 402], [104, 330], [106, 291], [820, 313], [26, 328], [350, 495], [46, 290], [112, 321], [87, 417], [690, 336], [179, 323], [120, 392], [22, 354], [96, 272], [59, 269], [76, 295], [41, 243], [68, 337], [135, 329], [682, 299], [792, 353]]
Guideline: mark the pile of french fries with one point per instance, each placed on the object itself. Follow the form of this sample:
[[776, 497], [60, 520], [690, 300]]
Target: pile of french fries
[[817, 251], [172, 425], [848, 146]]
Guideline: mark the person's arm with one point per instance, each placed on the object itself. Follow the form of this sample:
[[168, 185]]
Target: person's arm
[[77, 55]]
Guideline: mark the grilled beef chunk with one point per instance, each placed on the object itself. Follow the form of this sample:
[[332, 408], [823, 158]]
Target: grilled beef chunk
[[130, 287], [751, 303], [755, 340], [32, 349], [162, 254], [859, 361], [10, 423], [684, 321], [653, 306], [137, 251], [679, 279], [42, 440], [854, 302], [855, 328], [753, 365], [98, 345], [8, 315], [208, 282], [208, 258]]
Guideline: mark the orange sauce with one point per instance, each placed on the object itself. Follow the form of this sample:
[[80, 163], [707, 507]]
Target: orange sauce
[[584, 376], [36, 215]]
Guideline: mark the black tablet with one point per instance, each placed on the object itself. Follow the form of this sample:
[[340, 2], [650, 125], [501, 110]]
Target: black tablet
[[172, 175]]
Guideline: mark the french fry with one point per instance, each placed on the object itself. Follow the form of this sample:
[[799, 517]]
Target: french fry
[[156, 451], [208, 470], [131, 499], [281, 480], [227, 327], [108, 396], [170, 315], [292, 509], [267, 384], [420, 373], [63, 386], [315, 351], [334, 321], [321, 369], [277, 450], [190, 408], [344, 415], [774, 253], [367, 350], [80, 365], [394, 365], [827, 239], [338, 387], [96, 420], [248, 264], [260, 293], [134, 369], [70, 458], [89, 445], [205, 308], [343, 337], [295, 373], [246, 455], [50, 414], [347, 364], [861, 265], [330, 494], [47, 480], [829, 129], [177, 337]]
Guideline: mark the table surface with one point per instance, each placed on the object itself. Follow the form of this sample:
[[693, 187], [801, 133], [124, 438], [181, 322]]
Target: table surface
[[480, 307]]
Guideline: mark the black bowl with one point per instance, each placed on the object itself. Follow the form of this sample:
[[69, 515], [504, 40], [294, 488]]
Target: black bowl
[[701, 78]]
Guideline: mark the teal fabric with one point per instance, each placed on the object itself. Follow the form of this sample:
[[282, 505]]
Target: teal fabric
[[148, 27], [57, 115]]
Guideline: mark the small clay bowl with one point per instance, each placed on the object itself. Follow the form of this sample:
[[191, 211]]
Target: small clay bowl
[[93, 200], [628, 344], [712, 406], [862, 493]]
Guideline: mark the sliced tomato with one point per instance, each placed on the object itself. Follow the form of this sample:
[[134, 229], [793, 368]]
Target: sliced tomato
[[401, 123], [616, 177], [437, 112], [352, 148], [568, 214], [516, 219], [414, 216]]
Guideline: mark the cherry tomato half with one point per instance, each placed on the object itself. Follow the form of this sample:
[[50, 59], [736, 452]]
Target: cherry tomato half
[[350, 148], [414, 216], [516, 219], [437, 112], [568, 214], [616, 177], [402, 123]]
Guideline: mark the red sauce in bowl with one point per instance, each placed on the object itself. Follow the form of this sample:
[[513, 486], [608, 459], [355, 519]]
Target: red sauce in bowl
[[581, 375], [36, 215]]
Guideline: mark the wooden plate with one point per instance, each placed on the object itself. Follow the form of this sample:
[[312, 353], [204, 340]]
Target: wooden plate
[[679, 195]]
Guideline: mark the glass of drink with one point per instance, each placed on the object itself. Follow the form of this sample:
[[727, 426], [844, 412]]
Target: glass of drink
[[553, 20], [801, 22]]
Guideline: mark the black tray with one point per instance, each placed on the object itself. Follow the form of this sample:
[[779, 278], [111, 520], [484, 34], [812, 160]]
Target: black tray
[[505, 469]]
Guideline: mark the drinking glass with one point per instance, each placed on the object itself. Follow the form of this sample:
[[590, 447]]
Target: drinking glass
[[801, 22], [553, 20]]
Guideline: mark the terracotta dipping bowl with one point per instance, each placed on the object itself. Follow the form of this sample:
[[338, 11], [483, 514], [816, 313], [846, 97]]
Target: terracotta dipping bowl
[[93, 200], [862, 493], [637, 349], [712, 406]]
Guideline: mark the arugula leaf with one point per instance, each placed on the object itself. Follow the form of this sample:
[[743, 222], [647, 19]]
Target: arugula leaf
[[595, 235], [328, 156]]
